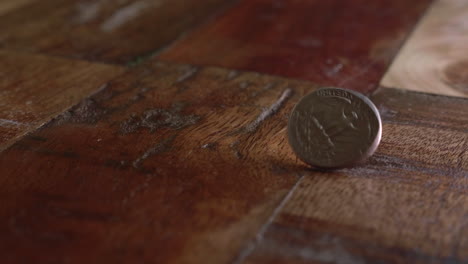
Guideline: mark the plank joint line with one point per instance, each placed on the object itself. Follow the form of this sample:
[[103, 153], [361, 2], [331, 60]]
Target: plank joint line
[[258, 238]]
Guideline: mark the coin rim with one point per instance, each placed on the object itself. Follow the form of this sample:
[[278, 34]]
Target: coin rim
[[372, 148]]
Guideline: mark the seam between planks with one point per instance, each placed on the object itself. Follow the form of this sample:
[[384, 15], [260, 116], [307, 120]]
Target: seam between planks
[[259, 236], [63, 57], [451, 97], [183, 35], [244, 253], [45, 122], [403, 43]]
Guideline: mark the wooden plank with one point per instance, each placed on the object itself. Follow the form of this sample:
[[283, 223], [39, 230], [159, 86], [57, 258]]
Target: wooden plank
[[408, 204], [339, 43], [9, 5], [34, 89], [167, 164], [102, 30], [435, 58]]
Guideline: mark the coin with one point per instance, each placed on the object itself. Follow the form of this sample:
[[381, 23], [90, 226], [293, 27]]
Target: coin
[[334, 128]]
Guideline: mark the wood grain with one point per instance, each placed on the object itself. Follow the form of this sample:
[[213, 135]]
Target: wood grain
[[435, 58], [34, 89], [167, 164], [9, 5], [407, 204], [103, 30], [345, 43]]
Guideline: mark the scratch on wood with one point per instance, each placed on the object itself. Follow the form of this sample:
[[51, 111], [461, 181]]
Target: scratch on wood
[[386, 112], [140, 188], [159, 148], [232, 75], [210, 146], [87, 11], [235, 149], [122, 16], [261, 232], [330, 72], [270, 111], [267, 87], [141, 58], [188, 73], [8, 123], [363, 71], [244, 84]]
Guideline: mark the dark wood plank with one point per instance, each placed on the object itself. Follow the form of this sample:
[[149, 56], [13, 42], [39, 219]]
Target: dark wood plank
[[9, 5], [345, 43], [435, 59], [168, 164], [34, 89], [408, 204], [109, 31]]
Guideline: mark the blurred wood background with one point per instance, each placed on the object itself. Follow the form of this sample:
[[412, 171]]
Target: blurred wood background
[[138, 131]]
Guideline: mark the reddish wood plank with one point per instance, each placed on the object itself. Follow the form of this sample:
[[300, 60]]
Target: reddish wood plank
[[435, 58], [34, 89], [103, 30], [346, 43], [168, 164], [408, 204]]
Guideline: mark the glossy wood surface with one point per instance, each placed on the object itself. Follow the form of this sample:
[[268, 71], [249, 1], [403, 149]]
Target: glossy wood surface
[[34, 89], [173, 163], [102, 30], [344, 43], [167, 164], [435, 58], [408, 204]]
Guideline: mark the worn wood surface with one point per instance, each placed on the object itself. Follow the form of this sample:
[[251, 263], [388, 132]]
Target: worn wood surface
[[103, 30], [408, 204], [345, 43], [435, 58], [34, 89], [167, 164], [172, 163], [9, 5]]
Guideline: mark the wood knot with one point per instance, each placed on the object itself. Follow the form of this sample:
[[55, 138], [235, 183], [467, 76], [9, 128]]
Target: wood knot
[[456, 75], [154, 119]]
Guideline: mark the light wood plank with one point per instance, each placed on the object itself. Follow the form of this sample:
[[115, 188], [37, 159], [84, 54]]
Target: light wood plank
[[435, 58]]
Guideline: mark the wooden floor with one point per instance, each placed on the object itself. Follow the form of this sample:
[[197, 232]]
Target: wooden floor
[[141, 131]]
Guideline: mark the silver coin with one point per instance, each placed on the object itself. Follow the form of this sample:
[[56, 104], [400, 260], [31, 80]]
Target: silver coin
[[334, 128]]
